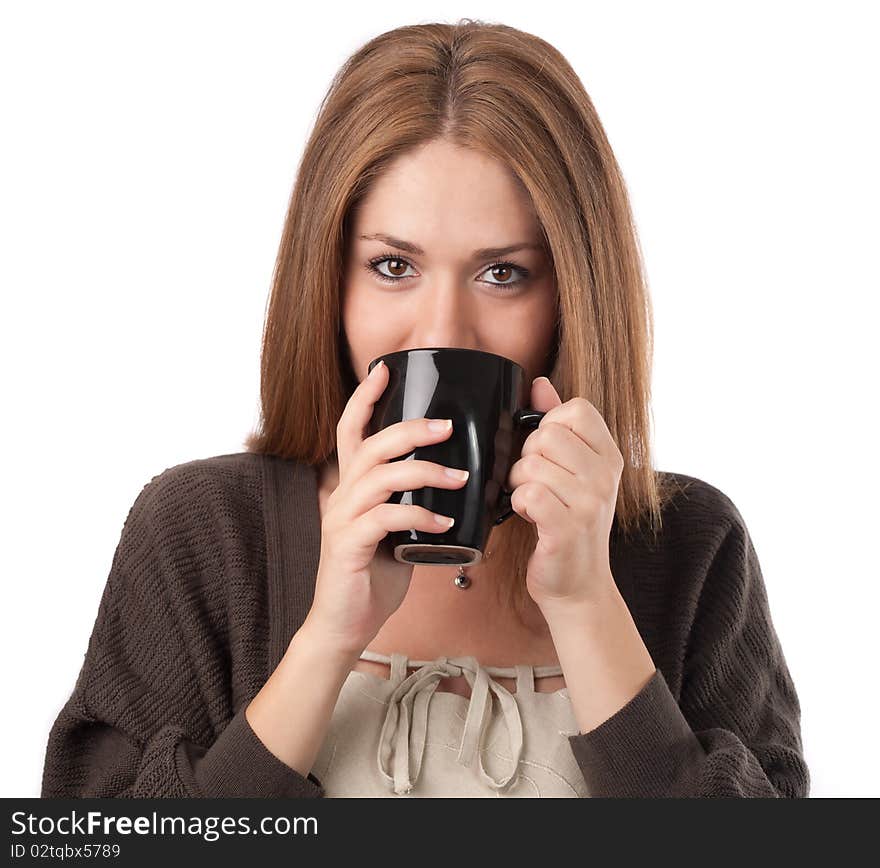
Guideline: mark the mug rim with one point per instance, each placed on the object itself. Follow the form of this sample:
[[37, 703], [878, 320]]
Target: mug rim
[[445, 349]]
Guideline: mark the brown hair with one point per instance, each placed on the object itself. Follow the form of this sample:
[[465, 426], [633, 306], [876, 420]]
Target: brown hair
[[514, 97]]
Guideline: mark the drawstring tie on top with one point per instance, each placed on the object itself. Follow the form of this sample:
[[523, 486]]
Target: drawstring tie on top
[[402, 740]]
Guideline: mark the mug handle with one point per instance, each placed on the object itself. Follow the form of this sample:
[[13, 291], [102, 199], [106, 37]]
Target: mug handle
[[521, 419]]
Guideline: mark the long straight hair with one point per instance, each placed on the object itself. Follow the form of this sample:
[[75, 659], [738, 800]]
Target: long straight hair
[[514, 97]]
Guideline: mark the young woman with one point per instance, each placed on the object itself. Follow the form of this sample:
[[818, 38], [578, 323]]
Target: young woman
[[458, 190]]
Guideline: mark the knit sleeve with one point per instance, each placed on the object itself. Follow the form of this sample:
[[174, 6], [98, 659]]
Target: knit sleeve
[[735, 729], [137, 723]]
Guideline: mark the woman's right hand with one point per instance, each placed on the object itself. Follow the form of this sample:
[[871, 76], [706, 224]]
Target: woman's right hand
[[357, 587]]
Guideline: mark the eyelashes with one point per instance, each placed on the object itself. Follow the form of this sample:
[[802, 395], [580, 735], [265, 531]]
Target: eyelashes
[[373, 267]]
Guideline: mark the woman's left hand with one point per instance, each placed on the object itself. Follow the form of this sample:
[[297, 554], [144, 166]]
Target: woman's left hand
[[565, 482]]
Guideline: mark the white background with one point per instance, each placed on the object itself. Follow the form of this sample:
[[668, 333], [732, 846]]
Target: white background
[[148, 152]]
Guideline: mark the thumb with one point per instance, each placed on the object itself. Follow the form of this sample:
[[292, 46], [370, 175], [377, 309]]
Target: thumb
[[544, 395]]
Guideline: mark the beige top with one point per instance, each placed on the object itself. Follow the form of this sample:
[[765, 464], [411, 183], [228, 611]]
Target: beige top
[[383, 742]]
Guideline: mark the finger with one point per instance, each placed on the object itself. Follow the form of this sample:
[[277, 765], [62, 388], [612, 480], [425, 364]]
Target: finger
[[382, 480], [586, 421], [561, 445], [540, 506], [536, 468], [357, 414], [389, 517]]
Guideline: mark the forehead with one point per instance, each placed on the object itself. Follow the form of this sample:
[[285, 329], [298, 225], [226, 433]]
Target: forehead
[[442, 190]]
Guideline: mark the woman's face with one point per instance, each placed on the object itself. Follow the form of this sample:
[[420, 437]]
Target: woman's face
[[425, 225]]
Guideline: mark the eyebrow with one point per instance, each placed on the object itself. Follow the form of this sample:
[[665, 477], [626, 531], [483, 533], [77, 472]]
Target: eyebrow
[[482, 253]]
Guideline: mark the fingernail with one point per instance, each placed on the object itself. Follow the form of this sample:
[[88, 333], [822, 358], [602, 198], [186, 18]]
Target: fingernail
[[376, 367]]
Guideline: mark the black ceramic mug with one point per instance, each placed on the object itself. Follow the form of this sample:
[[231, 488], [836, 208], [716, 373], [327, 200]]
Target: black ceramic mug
[[484, 394]]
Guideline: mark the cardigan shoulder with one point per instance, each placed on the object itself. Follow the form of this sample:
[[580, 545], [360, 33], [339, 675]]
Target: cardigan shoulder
[[193, 544], [704, 530], [189, 570], [700, 524], [697, 504], [235, 477], [205, 506]]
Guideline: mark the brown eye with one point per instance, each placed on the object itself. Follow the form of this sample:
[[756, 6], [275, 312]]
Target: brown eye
[[501, 273], [396, 264]]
